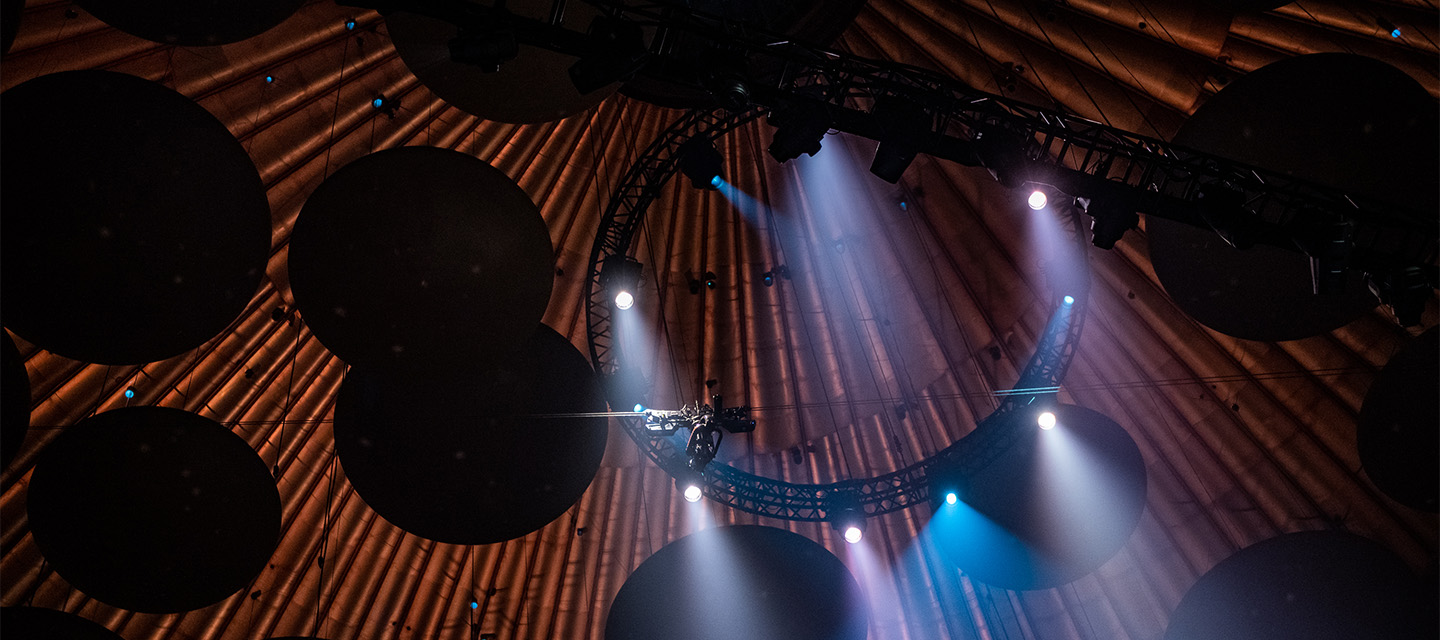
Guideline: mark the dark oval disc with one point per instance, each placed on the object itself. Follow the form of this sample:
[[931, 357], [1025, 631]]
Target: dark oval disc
[[747, 581], [34, 623], [455, 459], [136, 226], [193, 23], [420, 255], [1314, 585], [15, 396], [1399, 427], [1050, 509], [533, 87], [153, 509], [1340, 120]]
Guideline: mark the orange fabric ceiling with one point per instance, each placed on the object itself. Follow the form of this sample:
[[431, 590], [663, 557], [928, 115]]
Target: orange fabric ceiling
[[935, 305]]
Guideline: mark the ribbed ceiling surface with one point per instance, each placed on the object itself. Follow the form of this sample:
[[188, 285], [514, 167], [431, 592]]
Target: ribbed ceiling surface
[[928, 296]]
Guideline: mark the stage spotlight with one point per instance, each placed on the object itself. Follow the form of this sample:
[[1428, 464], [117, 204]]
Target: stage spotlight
[[903, 126], [1046, 420], [947, 483], [1037, 200], [799, 128], [618, 52], [1109, 221], [711, 279], [701, 162], [689, 482], [623, 300], [1068, 300], [1005, 154], [847, 516], [620, 275], [639, 408]]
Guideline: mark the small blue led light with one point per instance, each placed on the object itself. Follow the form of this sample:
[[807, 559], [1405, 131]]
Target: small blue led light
[[350, 24], [716, 181], [377, 103], [130, 393], [1069, 299], [951, 498], [1395, 33], [904, 206], [474, 604], [269, 79], [639, 408]]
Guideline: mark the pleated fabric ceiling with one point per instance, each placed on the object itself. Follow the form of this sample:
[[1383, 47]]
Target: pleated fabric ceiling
[[868, 325]]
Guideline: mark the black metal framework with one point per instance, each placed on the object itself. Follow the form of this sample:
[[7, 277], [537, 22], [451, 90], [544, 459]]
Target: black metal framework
[[1016, 141], [1019, 143], [766, 496]]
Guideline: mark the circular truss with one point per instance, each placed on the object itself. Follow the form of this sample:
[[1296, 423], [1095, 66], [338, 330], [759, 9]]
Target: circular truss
[[768, 497]]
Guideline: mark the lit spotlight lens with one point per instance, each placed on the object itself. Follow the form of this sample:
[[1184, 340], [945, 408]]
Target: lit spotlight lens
[[624, 300], [951, 498], [1047, 420], [716, 181], [639, 408], [692, 493], [1069, 300], [1036, 200], [853, 534]]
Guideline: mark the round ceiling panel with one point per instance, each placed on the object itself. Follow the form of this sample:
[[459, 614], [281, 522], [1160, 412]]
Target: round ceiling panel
[[136, 226], [153, 509]]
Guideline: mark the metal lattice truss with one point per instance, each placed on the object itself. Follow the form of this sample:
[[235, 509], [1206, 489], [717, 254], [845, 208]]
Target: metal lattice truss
[[1115, 169], [766, 496]]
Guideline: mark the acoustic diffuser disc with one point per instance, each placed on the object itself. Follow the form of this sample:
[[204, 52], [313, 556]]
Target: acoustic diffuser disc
[[34, 623], [14, 400], [193, 23], [1051, 508], [1399, 426], [459, 456], [422, 257], [1315, 585], [747, 581], [136, 226], [153, 509], [1340, 120], [533, 87]]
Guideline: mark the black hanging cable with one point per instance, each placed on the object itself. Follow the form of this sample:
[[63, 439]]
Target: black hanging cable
[[335, 114], [325, 538], [100, 397], [1068, 67], [39, 581], [1144, 116], [1083, 611], [289, 391]]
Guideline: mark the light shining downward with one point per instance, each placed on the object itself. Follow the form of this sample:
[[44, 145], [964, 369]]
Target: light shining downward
[[624, 300], [951, 498], [853, 534], [1037, 200], [1047, 420], [692, 493]]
